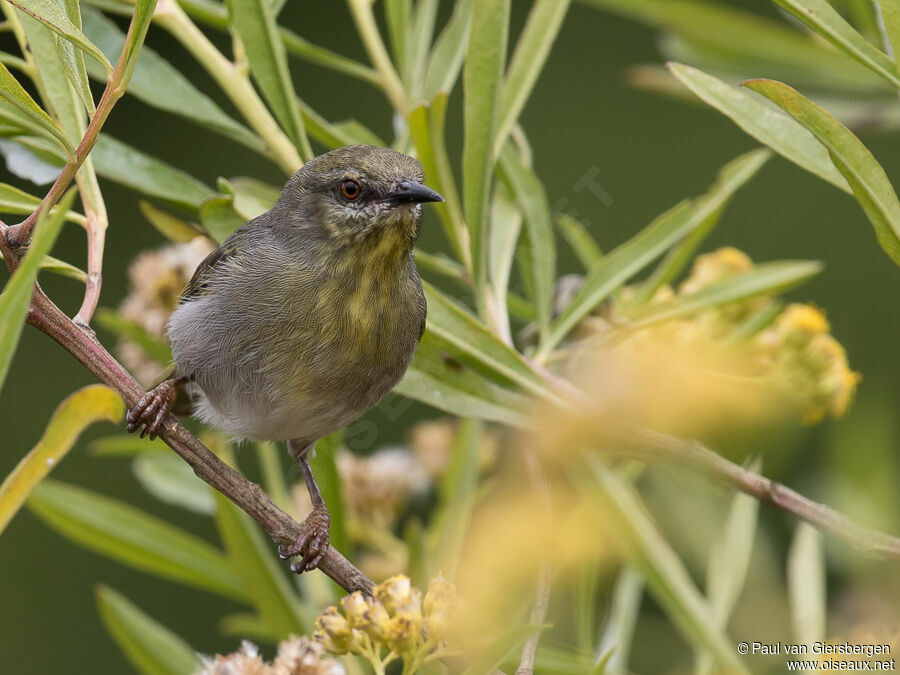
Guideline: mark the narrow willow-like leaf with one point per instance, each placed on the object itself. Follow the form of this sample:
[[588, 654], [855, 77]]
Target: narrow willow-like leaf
[[171, 227], [421, 30], [254, 23], [482, 80], [251, 197], [251, 556], [661, 567], [134, 538], [218, 217], [729, 180], [579, 239], [312, 53], [453, 325], [449, 51], [78, 411], [426, 128], [35, 117], [529, 56], [158, 83], [890, 16], [247, 627], [750, 37], [870, 184], [19, 202], [73, 60], [530, 195], [618, 630], [806, 584], [52, 15], [765, 279], [620, 264], [149, 176], [456, 500], [128, 329], [126, 444], [172, 481], [827, 22], [397, 16], [437, 379], [17, 293], [150, 647], [781, 133], [506, 225]]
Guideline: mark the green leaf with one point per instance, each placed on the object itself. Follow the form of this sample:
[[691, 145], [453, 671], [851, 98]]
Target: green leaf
[[806, 584], [579, 239], [490, 659], [253, 557], [78, 411], [456, 499], [28, 113], [251, 197], [52, 15], [254, 23], [541, 28], [890, 15], [660, 566], [128, 329], [506, 226], [149, 176], [618, 631], [765, 279], [158, 83], [171, 480], [616, 267], [126, 444], [827, 22], [298, 46], [449, 51], [420, 31], [426, 127], [871, 186], [397, 17], [13, 200], [781, 133], [218, 217], [73, 61], [729, 180], [150, 647], [457, 328], [171, 227], [17, 294], [529, 193], [247, 627], [481, 84], [134, 538]]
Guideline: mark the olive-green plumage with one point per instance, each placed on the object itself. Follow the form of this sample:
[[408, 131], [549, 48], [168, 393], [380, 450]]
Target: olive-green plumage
[[305, 317]]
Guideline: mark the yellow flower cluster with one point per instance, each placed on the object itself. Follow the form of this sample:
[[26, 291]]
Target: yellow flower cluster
[[392, 624]]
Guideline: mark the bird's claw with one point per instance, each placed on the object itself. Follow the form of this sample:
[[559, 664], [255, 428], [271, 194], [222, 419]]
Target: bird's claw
[[312, 544], [151, 410]]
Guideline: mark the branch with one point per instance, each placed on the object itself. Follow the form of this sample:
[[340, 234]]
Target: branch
[[648, 444], [247, 495]]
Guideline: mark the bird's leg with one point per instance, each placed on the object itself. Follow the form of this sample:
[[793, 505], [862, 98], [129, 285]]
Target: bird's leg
[[313, 542], [153, 407]]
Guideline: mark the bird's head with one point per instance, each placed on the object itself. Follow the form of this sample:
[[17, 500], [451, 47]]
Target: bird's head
[[358, 193]]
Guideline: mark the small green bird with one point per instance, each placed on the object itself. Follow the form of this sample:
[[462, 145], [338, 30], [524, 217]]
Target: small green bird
[[306, 316]]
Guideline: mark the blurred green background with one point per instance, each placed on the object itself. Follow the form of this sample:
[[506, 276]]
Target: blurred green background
[[645, 152]]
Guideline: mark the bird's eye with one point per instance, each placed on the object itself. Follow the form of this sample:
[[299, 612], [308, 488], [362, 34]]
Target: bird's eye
[[350, 189]]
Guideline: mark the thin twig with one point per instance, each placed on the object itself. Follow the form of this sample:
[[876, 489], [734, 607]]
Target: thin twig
[[649, 444]]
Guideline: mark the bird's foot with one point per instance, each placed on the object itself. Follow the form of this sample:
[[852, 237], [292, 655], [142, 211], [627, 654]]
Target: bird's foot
[[152, 409], [312, 544]]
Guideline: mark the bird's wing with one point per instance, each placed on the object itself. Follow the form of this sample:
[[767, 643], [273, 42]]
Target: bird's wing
[[199, 283]]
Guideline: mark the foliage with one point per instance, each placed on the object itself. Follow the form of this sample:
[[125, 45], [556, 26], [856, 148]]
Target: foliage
[[490, 357]]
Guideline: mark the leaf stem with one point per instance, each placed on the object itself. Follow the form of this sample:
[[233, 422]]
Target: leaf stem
[[235, 83], [378, 54]]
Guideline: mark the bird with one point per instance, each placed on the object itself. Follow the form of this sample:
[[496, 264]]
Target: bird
[[305, 317]]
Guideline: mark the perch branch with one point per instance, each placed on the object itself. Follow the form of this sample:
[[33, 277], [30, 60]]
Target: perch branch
[[648, 444], [247, 495]]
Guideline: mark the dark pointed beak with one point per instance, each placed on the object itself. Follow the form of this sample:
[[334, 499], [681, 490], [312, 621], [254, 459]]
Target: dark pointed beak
[[410, 192]]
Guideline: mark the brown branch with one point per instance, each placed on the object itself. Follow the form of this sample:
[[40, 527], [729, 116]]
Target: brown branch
[[247, 495], [647, 444]]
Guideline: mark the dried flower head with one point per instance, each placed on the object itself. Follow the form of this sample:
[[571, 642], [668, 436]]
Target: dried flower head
[[296, 656], [245, 661], [378, 487]]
